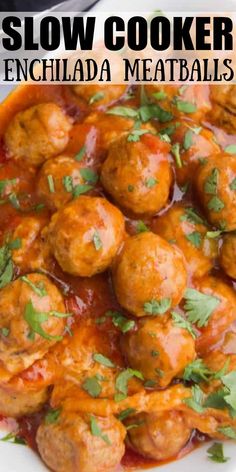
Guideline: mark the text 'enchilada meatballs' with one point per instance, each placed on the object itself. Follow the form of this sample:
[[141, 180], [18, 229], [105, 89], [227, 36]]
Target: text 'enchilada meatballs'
[[82, 443], [138, 174], [32, 318], [57, 181], [148, 270], [98, 95], [158, 437], [85, 235], [158, 349], [216, 187], [184, 227], [37, 134], [228, 255]]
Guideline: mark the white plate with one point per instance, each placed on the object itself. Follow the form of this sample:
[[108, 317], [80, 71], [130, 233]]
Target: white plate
[[17, 458]]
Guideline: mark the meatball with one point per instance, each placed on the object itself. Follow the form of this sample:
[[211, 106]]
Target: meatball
[[193, 100], [148, 269], [223, 111], [73, 443], [37, 134], [216, 187], [195, 145], [159, 349], [32, 253], [138, 174], [31, 320], [158, 436], [85, 235], [184, 227], [16, 403], [99, 95], [221, 317], [64, 174], [228, 255]]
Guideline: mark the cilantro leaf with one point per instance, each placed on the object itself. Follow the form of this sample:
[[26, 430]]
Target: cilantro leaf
[[89, 175], [195, 238], [38, 288], [68, 183], [126, 112], [80, 155], [103, 360], [96, 97], [141, 227], [6, 266], [228, 431], [52, 416], [122, 382], [182, 323], [79, 189], [185, 107], [157, 307], [233, 184], [216, 453], [35, 319], [231, 149], [92, 386], [197, 372], [229, 381], [135, 134], [149, 112], [151, 182], [175, 150], [215, 204], [192, 216], [210, 186], [51, 184], [120, 321], [196, 401], [125, 413], [13, 438], [199, 306], [188, 140], [97, 240], [96, 430]]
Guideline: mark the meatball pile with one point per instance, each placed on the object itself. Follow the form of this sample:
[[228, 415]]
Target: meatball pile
[[117, 270]]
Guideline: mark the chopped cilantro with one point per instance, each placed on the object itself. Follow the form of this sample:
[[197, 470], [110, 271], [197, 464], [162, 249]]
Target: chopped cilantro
[[80, 155], [215, 204], [199, 306], [35, 319], [231, 149], [130, 188], [182, 323], [216, 453], [135, 134], [122, 382], [188, 140], [151, 182], [141, 227], [176, 153], [125, 413], [89, 175], [13, 438], [97, 240], [185, 107], [233, 184], [195, 238], [197, 399], [120, 321], [52, 416], [5, 332], [38, 288], [210, 185], [80, 189], [192, 216], [103, 360], [161, 95], [213, 234], [92, 386], [150, 383], [157, 307], [197, 372], [68, 183], [126, 112], [96, 97], [96, 430], [14, 201]]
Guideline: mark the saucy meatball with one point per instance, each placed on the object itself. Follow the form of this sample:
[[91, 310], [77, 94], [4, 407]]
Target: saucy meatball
[[159, 349], [31, 320], [72, 444], [223, 111], [57, 179], [184, 227], [37, 134], [138, 174], [221, 317], [85, 235], [16, 403], [191, 100], [216, 184], [99, 95], [158, 436], [32, 253], [148, 269], [228, 255]]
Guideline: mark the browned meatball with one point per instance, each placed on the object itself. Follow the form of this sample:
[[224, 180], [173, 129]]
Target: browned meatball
[[37, 134], [99, 95], [138, 174], [32, 253], [216, 187], [184, 227], [72, 444], [228, 255], [57, 179], [148, 269], [222, 316], [191, 100], [30, 321], [159, 349], [17, 403], [85, 235], [223, 111], [158, 437]]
